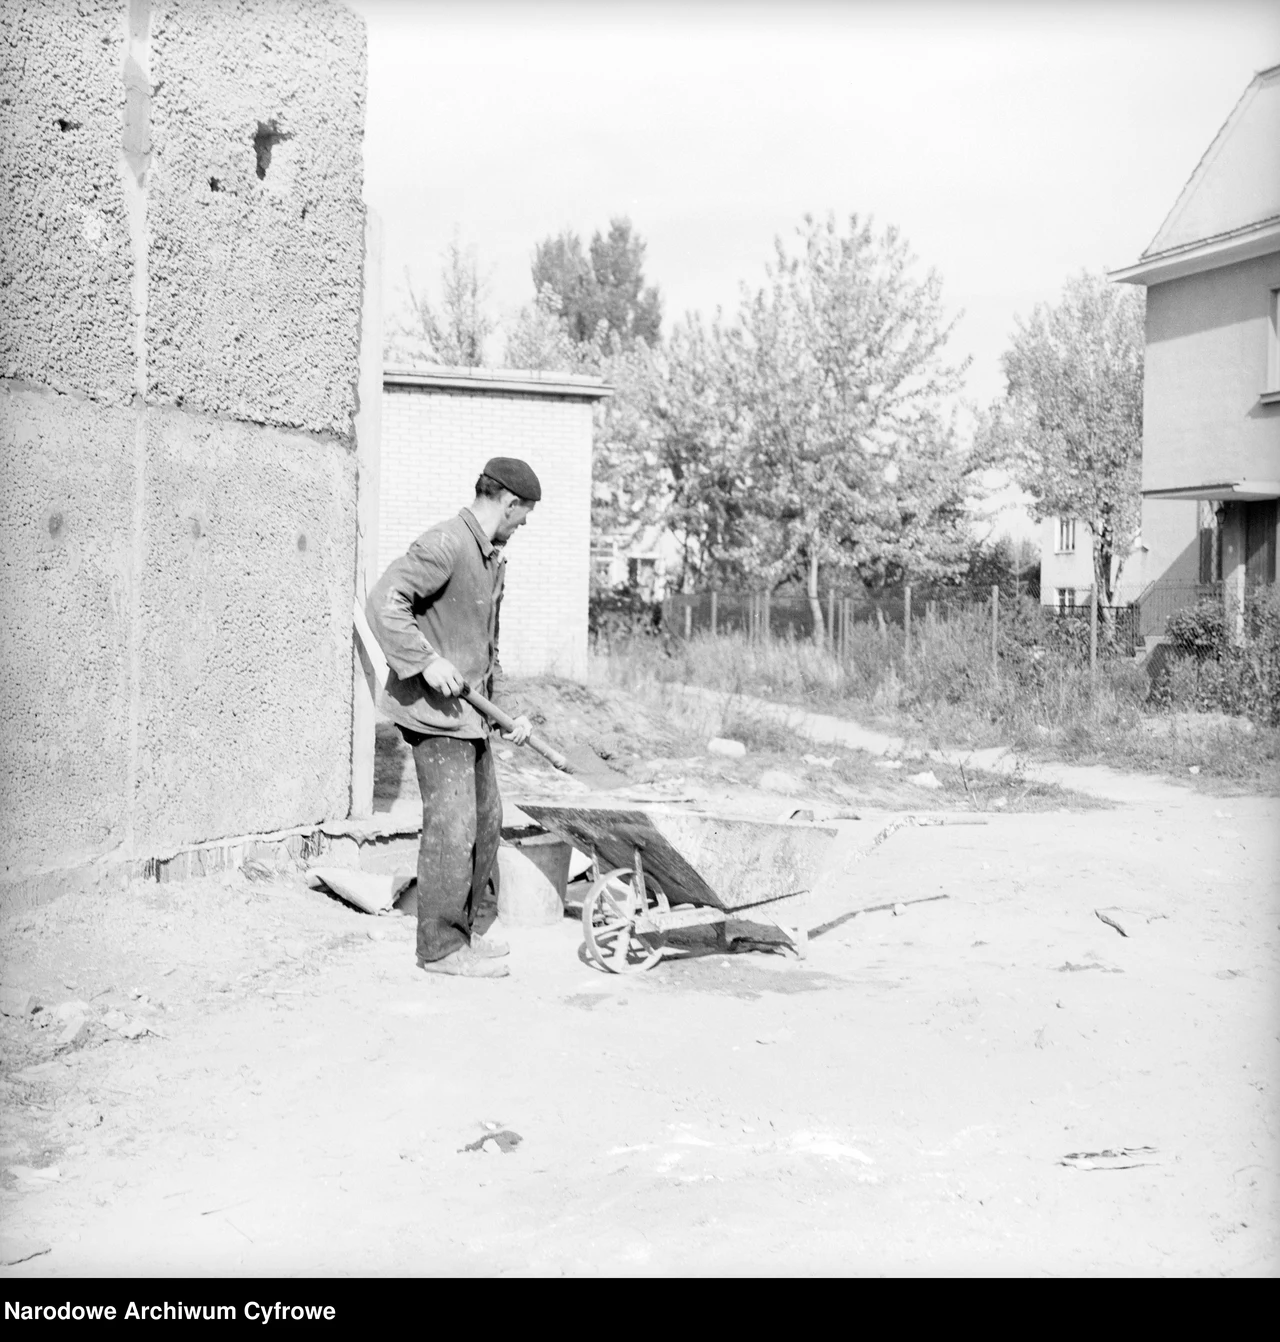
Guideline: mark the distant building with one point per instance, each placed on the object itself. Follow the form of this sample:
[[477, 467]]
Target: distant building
[[439, 427], [1211, 405], [1066, 566], [645, 559]]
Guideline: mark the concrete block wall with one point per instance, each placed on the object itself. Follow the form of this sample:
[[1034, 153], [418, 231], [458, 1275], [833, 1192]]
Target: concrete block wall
[[435, 442], [177, 391]]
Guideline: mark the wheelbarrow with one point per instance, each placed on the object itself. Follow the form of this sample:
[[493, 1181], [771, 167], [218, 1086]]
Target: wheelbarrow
[[661, 870]]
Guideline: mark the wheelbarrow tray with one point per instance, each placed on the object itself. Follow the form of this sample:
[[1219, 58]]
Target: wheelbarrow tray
[[715, 862]]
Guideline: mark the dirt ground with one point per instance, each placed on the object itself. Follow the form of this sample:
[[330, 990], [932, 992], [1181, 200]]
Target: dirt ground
[[901, 1101]]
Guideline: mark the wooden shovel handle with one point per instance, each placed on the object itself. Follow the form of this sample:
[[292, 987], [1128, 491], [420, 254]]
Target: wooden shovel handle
[[507, 723]]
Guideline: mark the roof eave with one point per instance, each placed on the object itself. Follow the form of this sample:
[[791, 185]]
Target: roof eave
[[1241, 244], [499, 381], [1234, 491]]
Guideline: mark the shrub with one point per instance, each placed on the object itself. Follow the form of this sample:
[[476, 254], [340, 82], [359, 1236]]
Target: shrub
[[1213, 669], [616, 612], [1201, 632]]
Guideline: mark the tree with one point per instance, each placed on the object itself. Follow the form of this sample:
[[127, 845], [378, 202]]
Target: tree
[[453, 334], [603, 293], [669, 449], [855, 465], [540, 339], [1070, 424]]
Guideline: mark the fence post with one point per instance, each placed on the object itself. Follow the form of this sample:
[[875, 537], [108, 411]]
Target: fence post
[[929, 616], [831, 619], [906, 619], [768, 622], [715, 602], [688, 617], [844, 630], [1093, 629], [995, 628]]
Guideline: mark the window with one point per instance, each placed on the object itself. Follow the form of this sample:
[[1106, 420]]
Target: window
[[1066, 599], [1273, 344], [1066, 535], [1210, 536]]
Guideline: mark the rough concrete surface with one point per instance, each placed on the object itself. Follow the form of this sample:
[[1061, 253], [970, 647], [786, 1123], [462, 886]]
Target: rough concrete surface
[[245, 630], [66, 516], [256, 251], [180, 304], [66, 314]]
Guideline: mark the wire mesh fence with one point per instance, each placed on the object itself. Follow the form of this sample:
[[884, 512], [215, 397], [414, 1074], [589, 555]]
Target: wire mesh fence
[[1013, 608]]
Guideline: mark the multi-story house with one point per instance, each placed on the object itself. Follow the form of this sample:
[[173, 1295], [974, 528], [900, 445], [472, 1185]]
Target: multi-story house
[[1211, 405], [1066, 567]]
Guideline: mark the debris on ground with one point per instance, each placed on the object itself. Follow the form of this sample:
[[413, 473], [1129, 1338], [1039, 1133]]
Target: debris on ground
[[75, 1034], [720, 745], [15, 1251], [369, 891], [1121, 1158], [33, 1177], [17, 1002], [926, 779], [775, 1036], [129, 1027], [1110, 922], [504, 1140]]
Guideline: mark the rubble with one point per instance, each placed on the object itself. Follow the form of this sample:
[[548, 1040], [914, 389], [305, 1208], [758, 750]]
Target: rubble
[[17, 1002], [720, 745]]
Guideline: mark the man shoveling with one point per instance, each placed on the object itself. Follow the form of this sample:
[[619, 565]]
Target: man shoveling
[[434, 613]]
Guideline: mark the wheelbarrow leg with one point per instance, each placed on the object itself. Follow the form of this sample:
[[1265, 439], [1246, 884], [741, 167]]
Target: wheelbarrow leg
[[796, 934]]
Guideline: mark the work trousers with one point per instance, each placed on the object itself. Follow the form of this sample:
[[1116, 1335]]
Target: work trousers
[[461, 831]]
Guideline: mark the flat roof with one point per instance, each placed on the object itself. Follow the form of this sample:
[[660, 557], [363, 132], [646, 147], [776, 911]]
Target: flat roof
[[499, 381]]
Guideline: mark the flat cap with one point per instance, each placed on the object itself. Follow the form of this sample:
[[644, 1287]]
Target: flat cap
[[516, 475]]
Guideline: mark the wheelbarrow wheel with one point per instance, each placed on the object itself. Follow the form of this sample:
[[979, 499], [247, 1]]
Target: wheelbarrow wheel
[[609, 915]]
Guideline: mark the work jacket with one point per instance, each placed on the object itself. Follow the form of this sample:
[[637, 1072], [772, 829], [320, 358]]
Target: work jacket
[[440, 599]]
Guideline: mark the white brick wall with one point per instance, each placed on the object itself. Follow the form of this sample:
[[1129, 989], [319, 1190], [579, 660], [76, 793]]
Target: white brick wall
[[435, 442]]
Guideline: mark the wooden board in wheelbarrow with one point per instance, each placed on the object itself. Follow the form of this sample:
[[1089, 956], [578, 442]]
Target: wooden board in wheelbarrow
[[728, 864]]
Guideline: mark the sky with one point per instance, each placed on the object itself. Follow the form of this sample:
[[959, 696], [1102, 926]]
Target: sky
[[1012, 144]]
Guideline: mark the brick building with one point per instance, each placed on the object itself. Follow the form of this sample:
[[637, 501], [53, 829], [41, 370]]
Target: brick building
[[439, 426]]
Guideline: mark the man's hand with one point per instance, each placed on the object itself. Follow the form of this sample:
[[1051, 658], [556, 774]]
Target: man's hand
[[521, 730], [444, 677]]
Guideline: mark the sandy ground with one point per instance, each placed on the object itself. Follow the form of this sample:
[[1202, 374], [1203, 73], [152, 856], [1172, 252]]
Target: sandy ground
[[901, 1101]]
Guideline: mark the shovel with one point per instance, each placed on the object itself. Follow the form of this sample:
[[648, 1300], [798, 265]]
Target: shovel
[[586, 767]]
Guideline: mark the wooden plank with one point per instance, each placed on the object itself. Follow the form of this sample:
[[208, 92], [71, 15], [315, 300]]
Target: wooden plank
[[368, 435]]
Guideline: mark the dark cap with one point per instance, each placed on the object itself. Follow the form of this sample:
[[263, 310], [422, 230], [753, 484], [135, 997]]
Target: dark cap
[[516, 475]]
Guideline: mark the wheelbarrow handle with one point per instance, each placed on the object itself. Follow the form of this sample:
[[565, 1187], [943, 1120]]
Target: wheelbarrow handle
[[507, 723]]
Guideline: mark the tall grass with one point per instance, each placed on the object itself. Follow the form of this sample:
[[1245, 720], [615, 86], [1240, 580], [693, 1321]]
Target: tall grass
[[1039, 695]]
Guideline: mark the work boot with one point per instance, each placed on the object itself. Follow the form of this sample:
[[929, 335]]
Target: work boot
[[466, 964], [490, 944]]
